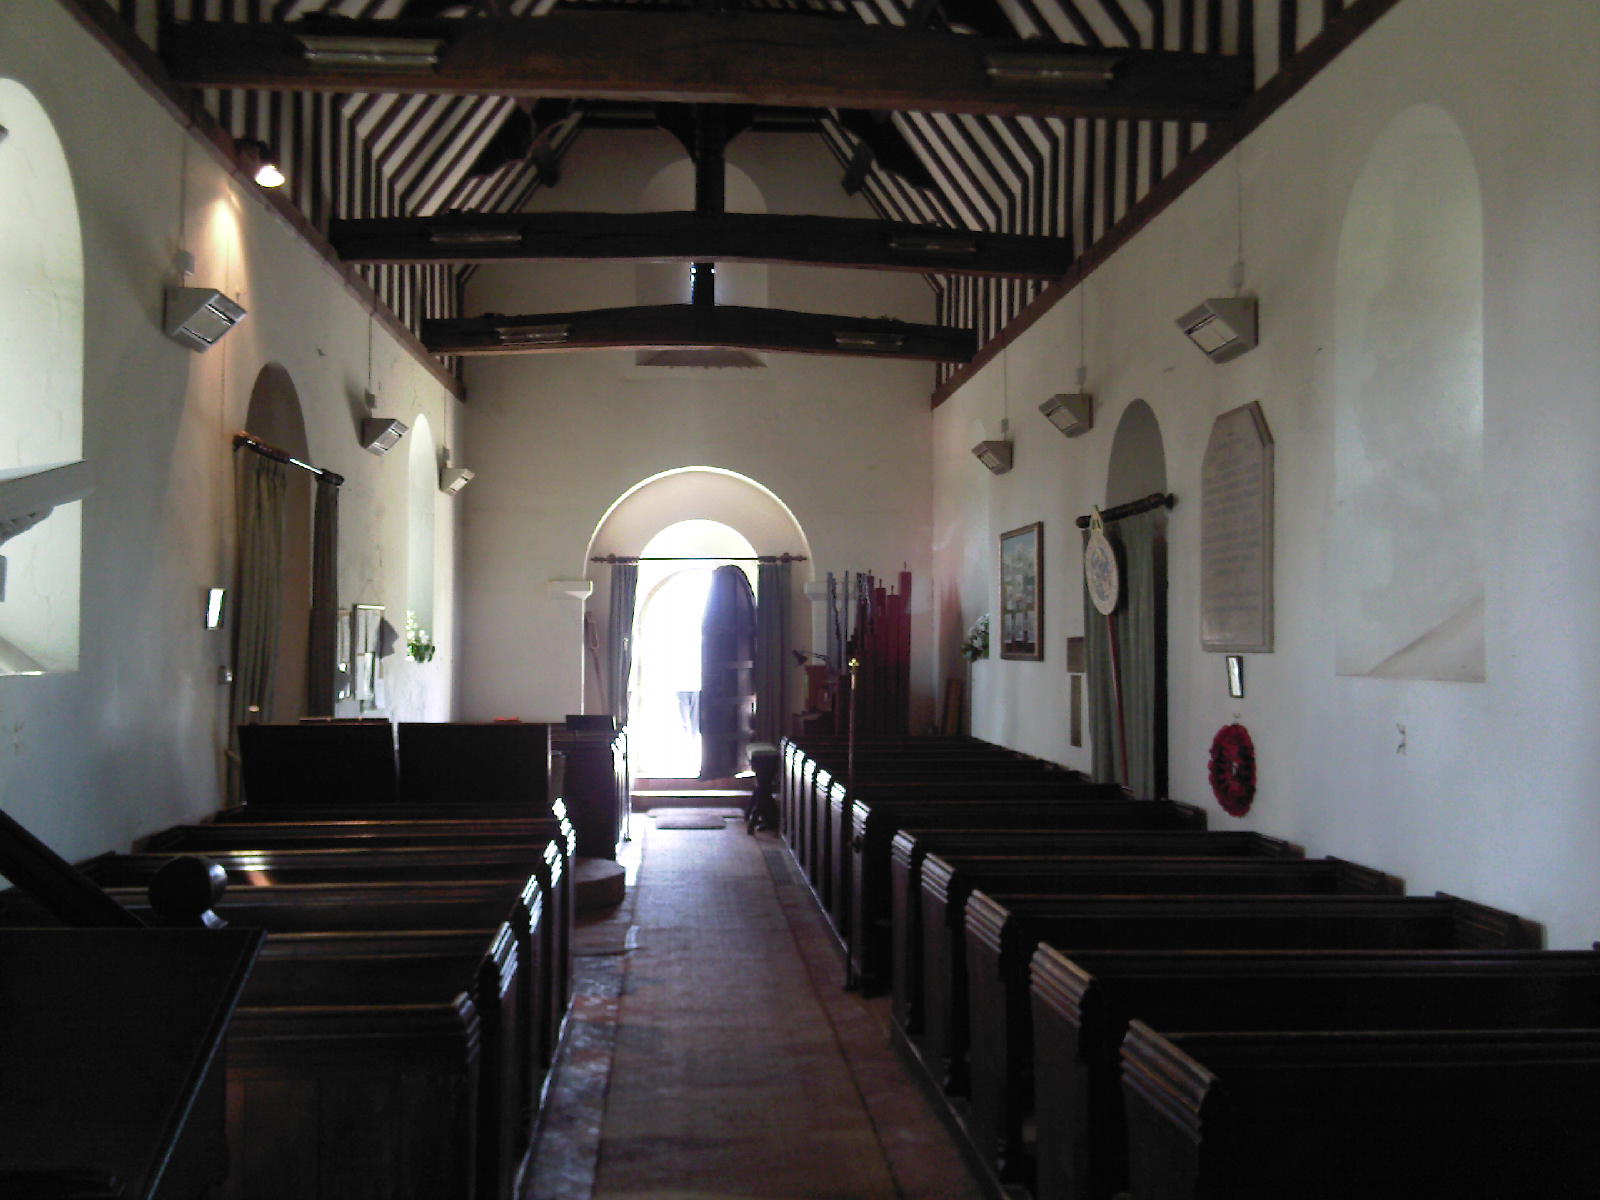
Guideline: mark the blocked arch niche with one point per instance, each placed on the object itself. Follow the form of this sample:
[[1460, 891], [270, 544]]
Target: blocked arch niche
[[41, 363]]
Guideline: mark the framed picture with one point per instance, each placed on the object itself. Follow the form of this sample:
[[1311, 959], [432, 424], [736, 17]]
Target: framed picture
[[1022, 592], [1235, 675]]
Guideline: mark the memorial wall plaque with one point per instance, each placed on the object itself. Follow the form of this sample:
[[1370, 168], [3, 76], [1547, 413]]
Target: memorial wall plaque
[[1236, 534]]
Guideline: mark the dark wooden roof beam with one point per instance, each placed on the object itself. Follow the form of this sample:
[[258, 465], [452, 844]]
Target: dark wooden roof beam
[[724, 57], [685, 237], [699, 327]]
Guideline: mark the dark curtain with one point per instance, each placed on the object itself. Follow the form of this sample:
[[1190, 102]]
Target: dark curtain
[[619, 639], [1141, 623], [322, 648], [727, 669], [772, 649], [263, 486]]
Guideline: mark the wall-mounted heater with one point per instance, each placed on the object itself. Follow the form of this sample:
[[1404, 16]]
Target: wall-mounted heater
[[1224, 326], [198, 317]]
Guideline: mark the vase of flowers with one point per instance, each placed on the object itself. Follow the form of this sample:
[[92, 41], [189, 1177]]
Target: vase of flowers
[[419, 643], [976, 645]]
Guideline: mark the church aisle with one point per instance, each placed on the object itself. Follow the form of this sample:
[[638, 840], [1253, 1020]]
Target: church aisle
[[739, 1067]]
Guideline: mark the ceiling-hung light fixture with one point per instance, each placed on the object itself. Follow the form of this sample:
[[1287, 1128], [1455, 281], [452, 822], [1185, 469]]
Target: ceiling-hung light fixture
[[257, 158], [375, 53], [198, 317], [1052, 70], [848, 339], [534, 335]]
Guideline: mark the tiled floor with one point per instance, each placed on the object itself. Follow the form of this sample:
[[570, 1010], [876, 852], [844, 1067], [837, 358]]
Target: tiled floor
[[720, 1057]]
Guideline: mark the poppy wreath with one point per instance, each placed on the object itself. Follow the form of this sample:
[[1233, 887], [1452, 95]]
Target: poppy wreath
[[1233, 769]]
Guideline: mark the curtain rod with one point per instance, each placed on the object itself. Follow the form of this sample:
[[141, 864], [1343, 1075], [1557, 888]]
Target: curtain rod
[[268, 450], [1133, 508], [614, 559]]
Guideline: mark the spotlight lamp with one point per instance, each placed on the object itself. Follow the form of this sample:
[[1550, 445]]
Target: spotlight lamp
[[996, 455], [1223, 326], [256, 157], [1070, 412], [198, 317]]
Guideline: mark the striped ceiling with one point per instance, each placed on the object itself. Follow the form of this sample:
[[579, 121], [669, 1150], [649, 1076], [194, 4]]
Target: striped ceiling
[[389, 155]]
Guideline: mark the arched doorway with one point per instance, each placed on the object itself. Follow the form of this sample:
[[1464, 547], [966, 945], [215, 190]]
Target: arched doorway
[[675, 574], [1127, 651]]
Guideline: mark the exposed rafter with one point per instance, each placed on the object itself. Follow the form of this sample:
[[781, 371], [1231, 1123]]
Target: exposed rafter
[[686, 237], [711, 57], [701, 327]]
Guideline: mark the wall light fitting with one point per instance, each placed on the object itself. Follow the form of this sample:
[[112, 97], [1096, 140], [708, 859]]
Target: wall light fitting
[[1070, 412], [453, 479], [1223, 326], [256, 157], [379, 434], [198, 317], [332, 51], [995, 455]]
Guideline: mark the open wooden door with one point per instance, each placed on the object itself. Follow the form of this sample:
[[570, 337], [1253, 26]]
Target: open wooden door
[[727, 674]]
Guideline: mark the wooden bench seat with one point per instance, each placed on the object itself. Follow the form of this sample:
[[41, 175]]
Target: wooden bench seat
[[387, 971], [947, 882], [863, 856], [1468, 1115], [1082, 1007], [910, 846], [1003, 931]]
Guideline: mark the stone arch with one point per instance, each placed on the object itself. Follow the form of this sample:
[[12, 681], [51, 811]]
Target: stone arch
[[41, 361], [1409, 523], [1138, 465]]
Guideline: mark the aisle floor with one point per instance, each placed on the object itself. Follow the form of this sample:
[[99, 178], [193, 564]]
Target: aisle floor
[[712, 1052]]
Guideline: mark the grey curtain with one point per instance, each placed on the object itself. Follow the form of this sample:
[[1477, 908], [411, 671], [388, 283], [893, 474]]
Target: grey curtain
[[619, 639], [262, 487], [772, 648], [1141, 623], [323, 647]]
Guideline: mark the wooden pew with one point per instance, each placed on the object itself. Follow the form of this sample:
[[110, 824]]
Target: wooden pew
[[1469, 1114], [555, 876], [949, 881], [1003, 931], [198, 839], [910, 846], [877, 815], [406, 984], [112, 1067], [1082, 1007]]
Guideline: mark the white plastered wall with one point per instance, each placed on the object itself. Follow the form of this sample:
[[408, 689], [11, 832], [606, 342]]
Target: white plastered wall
[[557, 438], [1494, 797], [130, 742]]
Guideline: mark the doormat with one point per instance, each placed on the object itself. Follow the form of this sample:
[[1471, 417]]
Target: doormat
[[668, 819]]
